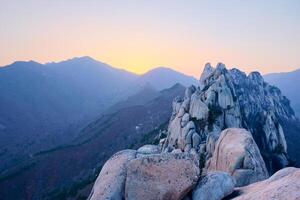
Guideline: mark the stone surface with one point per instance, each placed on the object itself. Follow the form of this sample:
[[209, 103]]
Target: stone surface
[[159, 177], [198, 109], [111, 180], [149, 149], [177, 151], [283, 185], [174, 135], [237, 154], [275, 137], [185, 119], [211, 141], [201, 131], [207, 71], [214, 186], [189, 91], [227, 99], [178, 134], [196, 140]]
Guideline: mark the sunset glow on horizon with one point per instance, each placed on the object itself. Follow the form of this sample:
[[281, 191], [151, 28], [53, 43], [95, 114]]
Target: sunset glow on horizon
[[140, 35]]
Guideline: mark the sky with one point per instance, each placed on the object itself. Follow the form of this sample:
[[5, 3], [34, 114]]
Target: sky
[[138, 35]]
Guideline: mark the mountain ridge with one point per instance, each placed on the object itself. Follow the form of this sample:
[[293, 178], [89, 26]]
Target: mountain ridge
[[287, 82], [43, 105]]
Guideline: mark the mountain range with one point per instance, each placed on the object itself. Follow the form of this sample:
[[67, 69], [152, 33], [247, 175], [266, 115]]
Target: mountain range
[[45, 105], [81, 111]]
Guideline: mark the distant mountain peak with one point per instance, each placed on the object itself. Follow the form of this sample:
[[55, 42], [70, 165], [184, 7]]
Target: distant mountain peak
[[159, 68], [80, 60], [164, 77], [163, 69], [84, 59], [23, 63]]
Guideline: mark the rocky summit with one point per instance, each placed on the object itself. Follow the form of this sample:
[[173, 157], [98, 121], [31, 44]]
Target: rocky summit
[[229, 98], [224, 140]]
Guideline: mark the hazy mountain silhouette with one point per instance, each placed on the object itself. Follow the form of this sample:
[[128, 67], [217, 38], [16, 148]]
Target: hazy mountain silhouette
[[163, 77], [288, 83], [44, 105]]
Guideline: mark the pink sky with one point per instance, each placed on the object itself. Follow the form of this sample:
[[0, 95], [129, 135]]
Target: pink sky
[[140, 35]]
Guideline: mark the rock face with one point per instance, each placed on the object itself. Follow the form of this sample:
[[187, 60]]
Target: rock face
[[237, 154], [148, 149], [227, 99], [228, 128], [132, 175], [214, 186], [111, 180], [198, 109], [159, 177], [284, 184]]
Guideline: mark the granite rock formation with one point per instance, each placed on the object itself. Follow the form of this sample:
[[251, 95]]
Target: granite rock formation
[[226, 99], [237, 154], [224, 133], [221, 183], [284, 184]]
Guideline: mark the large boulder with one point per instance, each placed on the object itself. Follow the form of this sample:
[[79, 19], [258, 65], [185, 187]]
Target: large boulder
[[164, 176], [174, 132], [284, 184], [237, 154], [214, 186], [111, 180]]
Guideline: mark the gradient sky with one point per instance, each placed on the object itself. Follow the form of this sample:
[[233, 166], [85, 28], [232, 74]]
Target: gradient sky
[[138, 35]]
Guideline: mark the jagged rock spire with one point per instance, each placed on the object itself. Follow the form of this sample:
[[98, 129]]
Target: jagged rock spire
[[207, 71], [230, 98]]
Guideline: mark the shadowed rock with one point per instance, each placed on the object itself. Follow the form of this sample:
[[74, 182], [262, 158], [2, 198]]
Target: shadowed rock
[[214, 186]]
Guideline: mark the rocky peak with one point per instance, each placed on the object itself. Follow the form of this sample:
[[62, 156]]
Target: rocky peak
[[224, 133], [220, 66], [256, 78], [225, 99], [207, 71]]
